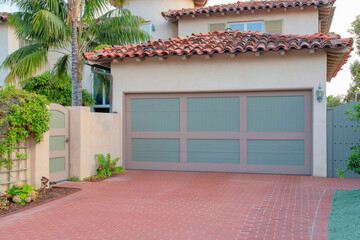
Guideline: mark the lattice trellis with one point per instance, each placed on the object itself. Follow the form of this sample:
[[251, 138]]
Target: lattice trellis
[[18, 171]]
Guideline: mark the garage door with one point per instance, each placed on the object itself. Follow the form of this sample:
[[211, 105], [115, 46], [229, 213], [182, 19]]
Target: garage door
[[252, 132]]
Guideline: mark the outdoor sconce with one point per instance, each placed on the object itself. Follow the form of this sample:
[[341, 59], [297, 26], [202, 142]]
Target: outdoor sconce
[[319, 93]]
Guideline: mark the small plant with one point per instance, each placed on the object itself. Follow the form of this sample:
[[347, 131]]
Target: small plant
[[74, 179], [21, 193], [96, 178], [45, 183], [4, 204], [107, 166]]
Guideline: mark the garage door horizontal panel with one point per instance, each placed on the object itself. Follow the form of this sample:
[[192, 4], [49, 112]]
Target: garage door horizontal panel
[[155, 150], [275, 114], [213, 151], [213, 114], [161, 114], [275, 152]]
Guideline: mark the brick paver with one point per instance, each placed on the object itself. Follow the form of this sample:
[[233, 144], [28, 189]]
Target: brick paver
[[184, 205]]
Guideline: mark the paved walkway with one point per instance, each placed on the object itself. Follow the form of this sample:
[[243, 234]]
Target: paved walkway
[[184, 205]]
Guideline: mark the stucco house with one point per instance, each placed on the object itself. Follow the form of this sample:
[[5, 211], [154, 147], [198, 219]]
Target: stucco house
[[233, 88]]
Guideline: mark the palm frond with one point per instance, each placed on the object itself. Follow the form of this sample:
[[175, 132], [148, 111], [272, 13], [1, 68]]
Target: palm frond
[[119, 26], [61, 67], [50, 26], [25, 62], [95, 8]]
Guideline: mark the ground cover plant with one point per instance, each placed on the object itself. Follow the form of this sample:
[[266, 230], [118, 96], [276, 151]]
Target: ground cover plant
[[344, 217], [22, 196], [22, 193]]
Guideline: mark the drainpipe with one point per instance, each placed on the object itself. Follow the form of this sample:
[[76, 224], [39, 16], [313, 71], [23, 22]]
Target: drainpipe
[[331, 16], [111, 84]]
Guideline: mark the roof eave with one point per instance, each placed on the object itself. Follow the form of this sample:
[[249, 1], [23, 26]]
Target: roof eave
[[336, 59]]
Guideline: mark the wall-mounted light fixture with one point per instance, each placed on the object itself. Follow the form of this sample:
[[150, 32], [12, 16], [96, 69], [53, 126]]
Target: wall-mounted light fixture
[[319, 93]]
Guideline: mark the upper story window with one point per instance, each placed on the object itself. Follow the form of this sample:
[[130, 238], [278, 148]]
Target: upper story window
[[101, 92], [247, 26], [270, 26], [148, 27], [25, 42]]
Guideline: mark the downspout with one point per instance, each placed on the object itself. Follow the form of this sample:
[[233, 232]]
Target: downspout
[[321, 20], [111, 84]]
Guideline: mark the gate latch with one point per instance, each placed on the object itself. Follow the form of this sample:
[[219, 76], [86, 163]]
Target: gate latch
[[67, 140]]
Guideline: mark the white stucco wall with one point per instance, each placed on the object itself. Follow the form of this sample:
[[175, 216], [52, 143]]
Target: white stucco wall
[[269, 71], [295, 21], [151, 11]]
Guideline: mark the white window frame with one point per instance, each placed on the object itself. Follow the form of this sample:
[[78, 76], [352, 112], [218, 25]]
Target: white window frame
[[246, 24]]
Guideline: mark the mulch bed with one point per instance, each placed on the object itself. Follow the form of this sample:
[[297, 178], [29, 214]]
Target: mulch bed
[[45, 195]]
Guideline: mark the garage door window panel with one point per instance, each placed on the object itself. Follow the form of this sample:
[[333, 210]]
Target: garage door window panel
[[155, 150], [275, 114], [213, 151], [275, 152], [213, 114], [155, 115]]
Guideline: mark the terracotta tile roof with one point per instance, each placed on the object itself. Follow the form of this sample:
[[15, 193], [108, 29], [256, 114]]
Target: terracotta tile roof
[[241, 6], [221, 43], [3, 16]]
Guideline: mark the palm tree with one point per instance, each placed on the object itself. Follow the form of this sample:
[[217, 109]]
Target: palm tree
[[69, 28]]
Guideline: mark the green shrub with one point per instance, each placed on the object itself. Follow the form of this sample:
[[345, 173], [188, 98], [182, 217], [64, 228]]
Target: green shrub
[[22, 193], [56, 90], [22, 114], [107, 166]]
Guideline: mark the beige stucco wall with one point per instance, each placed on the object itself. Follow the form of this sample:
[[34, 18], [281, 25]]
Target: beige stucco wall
[[151, 11], [90, 134], [269, 71], [39, 160], [295, 21]]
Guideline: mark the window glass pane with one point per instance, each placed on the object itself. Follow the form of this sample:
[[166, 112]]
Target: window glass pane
[[98, 91], [107, 94], [148, 27], [274, 26], [217, 27], [237, 26], [101, 88], [255, 27]]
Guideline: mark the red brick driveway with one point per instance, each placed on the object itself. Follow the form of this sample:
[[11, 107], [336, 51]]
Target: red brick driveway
[[184, 205]]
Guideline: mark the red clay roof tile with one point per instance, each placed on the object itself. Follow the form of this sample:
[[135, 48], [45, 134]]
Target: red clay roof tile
[[3, 16], [241, 6], [223, 42]]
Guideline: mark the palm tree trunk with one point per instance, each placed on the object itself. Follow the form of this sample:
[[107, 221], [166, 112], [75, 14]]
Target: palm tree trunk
[[74, 54], [74, 66]]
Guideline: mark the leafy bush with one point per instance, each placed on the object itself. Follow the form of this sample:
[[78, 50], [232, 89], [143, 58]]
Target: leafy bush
[[107, 166], [56, 90], [22, 193], [22, 114]]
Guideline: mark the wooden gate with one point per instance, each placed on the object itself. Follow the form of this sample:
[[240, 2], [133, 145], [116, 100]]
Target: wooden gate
[[59, 143], [340, 137]]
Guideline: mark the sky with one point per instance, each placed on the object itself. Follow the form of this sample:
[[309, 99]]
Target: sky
[[345, 13]]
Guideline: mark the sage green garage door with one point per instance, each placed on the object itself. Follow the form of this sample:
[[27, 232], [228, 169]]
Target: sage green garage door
[[253, 132]]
